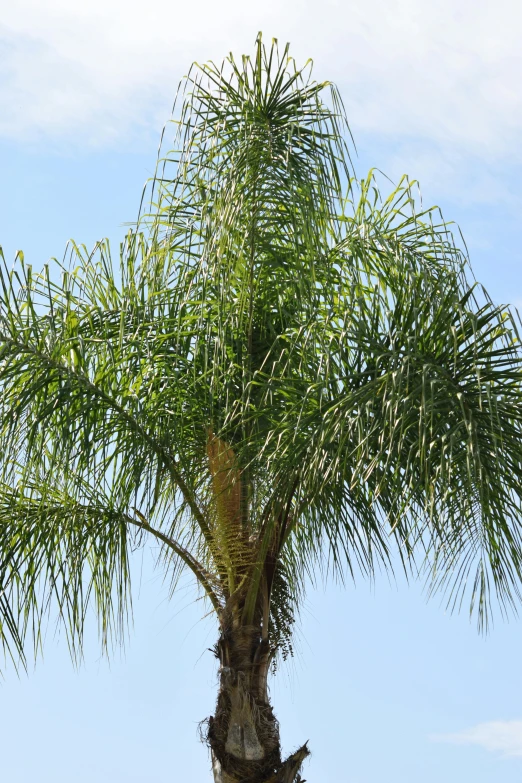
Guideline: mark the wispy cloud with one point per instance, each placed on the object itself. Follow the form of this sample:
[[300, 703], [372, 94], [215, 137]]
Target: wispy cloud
[[443, 71], [433, 88], [502, 737]]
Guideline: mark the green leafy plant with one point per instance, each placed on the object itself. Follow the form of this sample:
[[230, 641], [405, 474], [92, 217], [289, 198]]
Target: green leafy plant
[[285, 374]]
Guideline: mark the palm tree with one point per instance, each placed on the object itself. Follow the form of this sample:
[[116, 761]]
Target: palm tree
[[285, 374]]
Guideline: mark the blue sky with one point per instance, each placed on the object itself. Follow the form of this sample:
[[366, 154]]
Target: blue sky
[[384, 685]]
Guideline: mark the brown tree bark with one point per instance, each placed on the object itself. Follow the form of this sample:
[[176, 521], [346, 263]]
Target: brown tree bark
[[243, 735]]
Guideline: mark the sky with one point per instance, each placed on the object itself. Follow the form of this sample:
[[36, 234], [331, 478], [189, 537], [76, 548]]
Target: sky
[[384, 685]]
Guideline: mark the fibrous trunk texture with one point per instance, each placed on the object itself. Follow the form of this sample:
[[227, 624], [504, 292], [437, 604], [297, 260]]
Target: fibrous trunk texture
[[243, 735]]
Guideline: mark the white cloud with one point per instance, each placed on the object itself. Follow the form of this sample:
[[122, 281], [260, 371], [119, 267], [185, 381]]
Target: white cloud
[[435, 69], [503, 737]]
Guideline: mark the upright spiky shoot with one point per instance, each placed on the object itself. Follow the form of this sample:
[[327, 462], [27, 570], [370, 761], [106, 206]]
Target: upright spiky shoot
[[286, 374]]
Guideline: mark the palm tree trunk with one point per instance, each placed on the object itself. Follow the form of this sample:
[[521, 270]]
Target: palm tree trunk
[[243, 735]]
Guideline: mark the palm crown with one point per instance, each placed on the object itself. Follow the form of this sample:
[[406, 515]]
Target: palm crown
[[284, 372]]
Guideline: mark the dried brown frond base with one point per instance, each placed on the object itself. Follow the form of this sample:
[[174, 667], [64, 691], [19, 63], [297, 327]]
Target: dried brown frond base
[[288, 771]]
